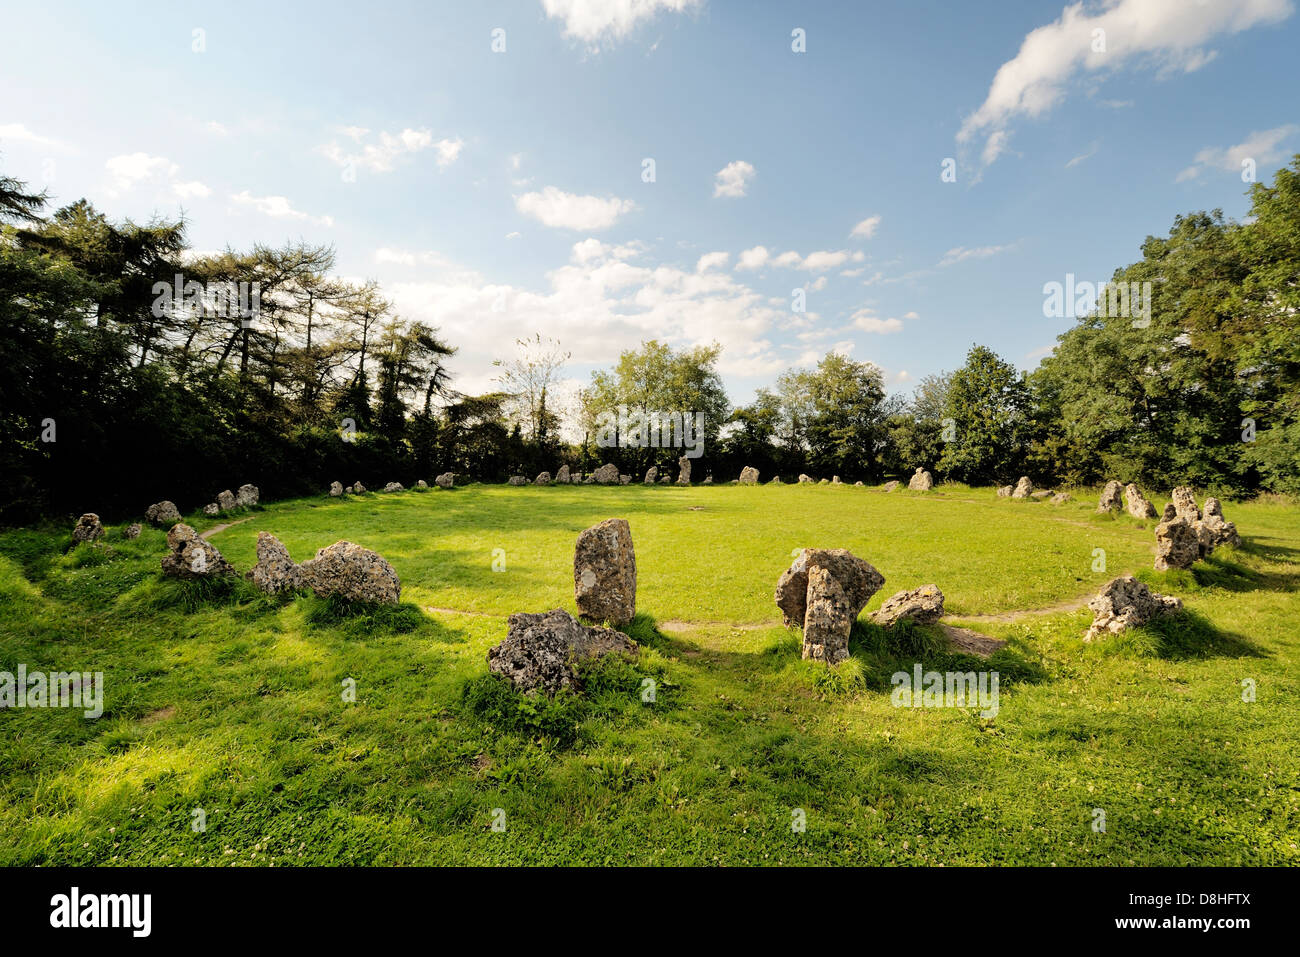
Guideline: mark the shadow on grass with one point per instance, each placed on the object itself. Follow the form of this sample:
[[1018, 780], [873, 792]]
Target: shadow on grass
[[356, 619], [1183, 636], [887, 651]]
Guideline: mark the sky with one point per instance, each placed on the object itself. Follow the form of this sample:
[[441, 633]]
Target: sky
[[605, 172]]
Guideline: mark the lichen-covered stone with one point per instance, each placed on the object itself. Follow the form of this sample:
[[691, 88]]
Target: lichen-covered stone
[[921, 480], [858, 579], [1177, 544], [189, 556], [87, 529], [922, 605], [1112, 497], [540, 650], [1126, 603], [1137, 503], [275, 571], [604, 572], [352, 572], [749, 475]]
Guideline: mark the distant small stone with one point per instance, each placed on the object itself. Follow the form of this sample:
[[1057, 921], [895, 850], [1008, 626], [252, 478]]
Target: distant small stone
[[1023, 488], [749, 475], [394, 487], [445, 480], [516, 480], [226, 500], [211, 509], [247, 496], [651, 475], [1111, 497], [1137, 503], [921, 481], [336, 489], [191, 557], [1060, 498], [607, 474], [421, 484], [1005, 491], [87, 529], [683, 471], [562, 476], [891, 485], [163, 513], [133, 530], [544, 478]]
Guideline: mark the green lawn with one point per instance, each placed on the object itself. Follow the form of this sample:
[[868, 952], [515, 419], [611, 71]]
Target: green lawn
[[222, 700]]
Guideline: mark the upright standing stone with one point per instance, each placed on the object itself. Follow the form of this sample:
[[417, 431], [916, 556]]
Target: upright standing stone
[[562, 476], [1177, 544], [1137, 503], [828, 618], [88, 528], [652, 475], [336, 489], [1111, 497], [226, 500], [162, 513], [275, 571], [607, 474], [857, 578], [247, 496], [921, 480], [1185, 505], [543, 479], [1024, 488], [604, 572], [192, 557], [352, 572], [445, 480], [749, 475], [683, 471]]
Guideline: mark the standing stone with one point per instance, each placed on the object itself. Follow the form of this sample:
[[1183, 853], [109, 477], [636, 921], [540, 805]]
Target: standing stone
[[828, 618], [776, 480], [212, 509], [352, 572], [1126, 603], [445, 480], [604, 572], [517, 480], [393, 487], [562, 476], [708, 480], [247, 496], [1214, 530], [1185, 505], [625, 480], [856, 577], [162, 513], [133, 530], [1170, 512], [749, 475], [1137, 503], [1177, 544], [88, 528], [652, 475], [607, 474], [336, 489], [226, 500], [1005, 491], [191, 557], [805, 479], [835, 480], [275, 571], [1024, 488], [539, 651], [683, 471], [857, 485], [922, 605], [543, 479], [422, 484], [891, 485], [358, 489], [1111, 497], [921, 480]]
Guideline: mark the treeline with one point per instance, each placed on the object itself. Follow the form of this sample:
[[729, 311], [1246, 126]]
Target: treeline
[[132, 369]]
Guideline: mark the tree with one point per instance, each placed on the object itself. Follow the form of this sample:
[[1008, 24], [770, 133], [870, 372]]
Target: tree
[[839, 408], [987, 402]]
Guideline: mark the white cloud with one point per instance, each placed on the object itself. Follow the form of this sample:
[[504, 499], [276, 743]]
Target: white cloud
[[733, 179], [130, 170], [277, 207], [1088, 154], [824, 259], [709, 261], [865, 229], [381, 156], [866, 320], [1260, 146], [191, 190], [554, 207], [17, 133], [594, 21], [513, 234], [1169, 35], [962, 253], [755, 258]]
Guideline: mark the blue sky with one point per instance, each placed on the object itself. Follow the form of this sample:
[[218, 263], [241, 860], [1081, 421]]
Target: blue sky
[[498, 194]]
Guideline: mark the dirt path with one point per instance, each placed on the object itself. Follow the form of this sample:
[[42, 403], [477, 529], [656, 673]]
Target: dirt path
[[221, 528]]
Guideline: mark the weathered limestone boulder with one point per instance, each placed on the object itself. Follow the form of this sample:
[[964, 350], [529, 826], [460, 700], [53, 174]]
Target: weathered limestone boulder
[[775, 480], [891, 485], [921, 480], [226, 500], [665, 480], [857, 484], [247, 496], [607, 474], [1137, 503], [805, 479], [1214, 530], [652, 475], [562, 476], [275, 571], [835, 480], [540, 650], [358, 489], [749, 475], [1039, 495], [352, 572], [708, 480], [421, 484], [445, 480], [336, 489], [1185, 505], [922, 605], [625, 480], [823, 482], [192, 557], [1005, 491], [394, 487], [212, 509], [683, 471], [517, 480], [590, 479], [604, 572], [1111, 497], [1024, 488], [828, 618], [543, 479], [132, 531], [856, 577], [1170, 511], [1126, 603], [162, 513], [87, 529], [1177, 544], [1060, 498]]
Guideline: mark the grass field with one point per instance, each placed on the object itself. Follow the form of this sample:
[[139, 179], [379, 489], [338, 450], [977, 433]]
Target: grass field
[[219, 699]]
